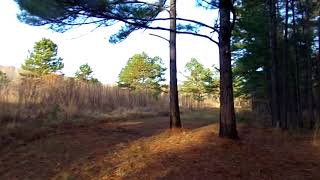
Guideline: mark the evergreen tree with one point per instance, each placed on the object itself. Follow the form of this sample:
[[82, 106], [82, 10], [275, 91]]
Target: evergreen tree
[[142, 73], [43, 59], [200, 81], [251, 55], [85, 74], [275, 61]]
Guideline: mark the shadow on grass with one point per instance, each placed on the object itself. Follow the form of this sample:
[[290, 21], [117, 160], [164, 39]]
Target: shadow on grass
[[200, 154], [61, 147], [145, 149], [64, 149]]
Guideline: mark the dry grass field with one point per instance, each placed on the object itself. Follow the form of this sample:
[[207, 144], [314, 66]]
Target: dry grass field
[[63, 129], [144, 148]]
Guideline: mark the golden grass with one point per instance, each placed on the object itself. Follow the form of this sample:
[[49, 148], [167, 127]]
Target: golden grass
[[144, 149], [56, 98], [167, 154], [147, 153]]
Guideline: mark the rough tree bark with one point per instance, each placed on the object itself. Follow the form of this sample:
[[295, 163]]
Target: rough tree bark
[[274, 69], [175, 121], [227, 115]]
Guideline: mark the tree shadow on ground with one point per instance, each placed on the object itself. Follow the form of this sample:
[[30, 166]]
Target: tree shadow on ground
[[146, 149], [200, 154], [65, 150]]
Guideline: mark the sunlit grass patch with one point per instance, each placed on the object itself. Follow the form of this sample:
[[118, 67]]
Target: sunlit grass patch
[[144, 158]]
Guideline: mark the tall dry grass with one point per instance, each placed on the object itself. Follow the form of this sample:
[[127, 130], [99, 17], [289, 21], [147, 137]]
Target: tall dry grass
[[211, 102], [28, 108], [58, 98]]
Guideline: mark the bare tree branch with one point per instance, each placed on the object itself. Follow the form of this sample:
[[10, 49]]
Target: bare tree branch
[[151, 34]]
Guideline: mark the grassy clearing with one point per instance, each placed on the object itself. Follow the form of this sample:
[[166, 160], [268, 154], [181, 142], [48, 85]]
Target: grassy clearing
[[144, 148], [29, 108], [30, 105]]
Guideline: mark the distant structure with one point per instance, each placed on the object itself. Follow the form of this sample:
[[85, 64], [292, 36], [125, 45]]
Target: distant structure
[[12, 72]]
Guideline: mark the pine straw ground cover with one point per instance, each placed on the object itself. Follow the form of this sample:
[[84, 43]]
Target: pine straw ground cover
[[145, 149]]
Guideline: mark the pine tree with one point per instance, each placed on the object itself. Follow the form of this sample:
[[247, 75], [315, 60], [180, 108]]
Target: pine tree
[[85, 74], [43, 60], [142, 73], [200, 81]]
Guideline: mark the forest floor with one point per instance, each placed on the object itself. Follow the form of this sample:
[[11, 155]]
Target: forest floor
[[146, 149]]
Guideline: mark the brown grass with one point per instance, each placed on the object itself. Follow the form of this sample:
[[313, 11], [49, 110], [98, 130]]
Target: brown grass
[[200, 154], [55, 98], [148, 153], [123, 151], [144, 148], [30, 106]]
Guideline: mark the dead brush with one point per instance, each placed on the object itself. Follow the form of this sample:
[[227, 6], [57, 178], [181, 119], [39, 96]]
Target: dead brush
[[59, 98]]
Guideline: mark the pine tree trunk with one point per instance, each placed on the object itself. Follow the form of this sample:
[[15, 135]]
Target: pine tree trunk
[[295, 105], [318, 68], [274, 69], [175, 121], [309, 88], [297, 69], [227, 115], [284, 101]]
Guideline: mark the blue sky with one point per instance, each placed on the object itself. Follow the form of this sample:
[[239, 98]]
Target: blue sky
[[80, 45]]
